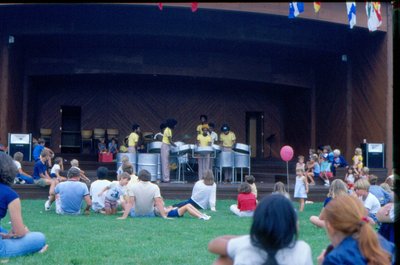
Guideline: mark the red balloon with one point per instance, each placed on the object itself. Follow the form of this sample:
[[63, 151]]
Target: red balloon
[[286, 153]]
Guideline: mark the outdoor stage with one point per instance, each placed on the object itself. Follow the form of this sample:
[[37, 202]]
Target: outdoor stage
[[266, 172]]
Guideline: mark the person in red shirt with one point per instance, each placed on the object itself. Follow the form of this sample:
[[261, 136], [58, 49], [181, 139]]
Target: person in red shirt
[[246, 201]]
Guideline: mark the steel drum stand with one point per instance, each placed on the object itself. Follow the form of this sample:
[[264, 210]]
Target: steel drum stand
[[180, 166]]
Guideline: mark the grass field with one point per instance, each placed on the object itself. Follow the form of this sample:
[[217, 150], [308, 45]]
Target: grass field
[[99, 239]]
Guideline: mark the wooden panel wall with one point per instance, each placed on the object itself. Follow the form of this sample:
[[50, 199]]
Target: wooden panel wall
[[120, 101]]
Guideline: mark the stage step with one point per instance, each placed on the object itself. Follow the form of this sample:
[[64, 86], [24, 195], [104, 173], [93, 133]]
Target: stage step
[[181, 191]]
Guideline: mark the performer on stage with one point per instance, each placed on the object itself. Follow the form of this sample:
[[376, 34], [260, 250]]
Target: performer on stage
[[214, 135], [227, 139], [204, 139], [165, 148], [203, 120], [133, 139], [159, 135]]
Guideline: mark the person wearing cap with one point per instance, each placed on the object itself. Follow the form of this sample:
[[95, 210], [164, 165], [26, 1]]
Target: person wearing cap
[[203, 140], [71, 193], [133, 138], [227, 140], [166, 147], [203, 121]]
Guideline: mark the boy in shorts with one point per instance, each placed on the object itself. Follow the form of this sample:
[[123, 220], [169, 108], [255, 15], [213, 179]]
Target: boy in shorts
[[114, 191]]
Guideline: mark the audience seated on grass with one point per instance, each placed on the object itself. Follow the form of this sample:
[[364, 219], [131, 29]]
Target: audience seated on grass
[[386, 217], [272, 240], [371, 203], [175, 212], [114, 191], [382, 195], [96, 187], [204, 193], [56, 177], [279, 188], [19, 240], [72, 193], [142, 197], [252, 181], [246, 202], [353, 239], [337, 188]]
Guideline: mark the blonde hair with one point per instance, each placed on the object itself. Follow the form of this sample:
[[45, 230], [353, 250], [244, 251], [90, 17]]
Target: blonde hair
[[386, 187], [365, 170], [208, 178], [362, 184], [337, 188], [74, 163], [347, 214], [358, 151]]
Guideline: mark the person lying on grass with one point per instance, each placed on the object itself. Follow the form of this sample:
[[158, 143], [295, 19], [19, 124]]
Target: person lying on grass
[[114, 191], [173, 212]]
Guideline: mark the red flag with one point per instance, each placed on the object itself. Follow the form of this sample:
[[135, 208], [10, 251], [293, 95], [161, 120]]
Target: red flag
[[195, 5], [160, 6]]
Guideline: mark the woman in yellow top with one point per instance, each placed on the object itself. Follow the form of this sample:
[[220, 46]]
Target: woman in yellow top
[[203, 120], [203, 140], [166, 147], [133, 139], [227, 140]]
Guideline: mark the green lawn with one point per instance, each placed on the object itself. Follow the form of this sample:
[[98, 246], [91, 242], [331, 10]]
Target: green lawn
[[99, 239]]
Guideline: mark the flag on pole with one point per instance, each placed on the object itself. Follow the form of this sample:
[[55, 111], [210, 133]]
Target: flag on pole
[[195, 5], [295, 8], [373, 10], [317, 6], [160, 6], [351, 13]]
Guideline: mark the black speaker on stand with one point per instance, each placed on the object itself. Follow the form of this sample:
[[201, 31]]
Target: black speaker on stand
[[373, 154], [19, 142]]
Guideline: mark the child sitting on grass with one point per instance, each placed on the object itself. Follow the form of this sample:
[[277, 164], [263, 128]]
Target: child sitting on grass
[[246, 202], [114, 191], [252, 181], [279, 187]]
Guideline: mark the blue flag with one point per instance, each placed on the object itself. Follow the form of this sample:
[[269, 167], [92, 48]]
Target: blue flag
[[295, 8]]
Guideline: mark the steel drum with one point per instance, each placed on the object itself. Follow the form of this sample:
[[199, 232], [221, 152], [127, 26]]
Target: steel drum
[[224, 159], [241, 160], [241, 148], [175, 149], [150, 162], [154, 147], [203, 150], [132, 158], [217, 148]]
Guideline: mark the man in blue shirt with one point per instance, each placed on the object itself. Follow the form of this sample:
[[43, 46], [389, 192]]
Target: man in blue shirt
[[71, 193]]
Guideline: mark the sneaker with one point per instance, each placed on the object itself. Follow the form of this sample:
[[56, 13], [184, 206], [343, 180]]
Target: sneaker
[[205, 217], [326, 184], [47, 205]]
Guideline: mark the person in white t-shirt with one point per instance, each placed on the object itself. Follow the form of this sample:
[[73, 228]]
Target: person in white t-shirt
[[272, 239], [96, 187], [204, 193], [114, 192], [371, 203], [22, 176], [144, 196]]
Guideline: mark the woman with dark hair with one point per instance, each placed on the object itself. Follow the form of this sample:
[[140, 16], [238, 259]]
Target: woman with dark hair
[[18, 241], [166, 147], [272, 239]]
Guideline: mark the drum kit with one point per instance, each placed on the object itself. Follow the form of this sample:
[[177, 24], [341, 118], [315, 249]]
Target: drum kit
[[182, 152]]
